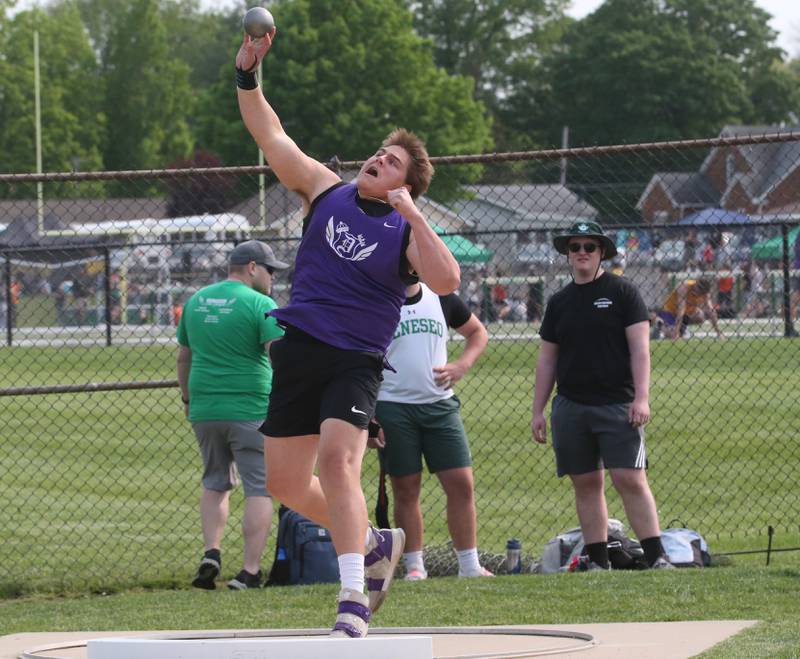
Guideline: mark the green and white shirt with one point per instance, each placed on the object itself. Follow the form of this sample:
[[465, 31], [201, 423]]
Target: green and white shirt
[[420, 343], [225, 325]]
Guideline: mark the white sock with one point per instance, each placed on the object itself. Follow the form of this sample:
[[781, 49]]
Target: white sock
[[414, 560], [351, 572], [468, 561]]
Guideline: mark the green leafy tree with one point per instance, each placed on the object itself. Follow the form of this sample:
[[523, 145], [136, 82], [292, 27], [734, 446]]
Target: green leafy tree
[[193, 31], [641, 70], [497, 43], [341, 76], [483, 39], [148, 97], [201, 193], [195, 34], [98, 17], [72, 120], [775, 93], [629, 73], [742, 34]]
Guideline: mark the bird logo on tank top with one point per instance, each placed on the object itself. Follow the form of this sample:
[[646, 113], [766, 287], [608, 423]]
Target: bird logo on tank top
[[345, 244]]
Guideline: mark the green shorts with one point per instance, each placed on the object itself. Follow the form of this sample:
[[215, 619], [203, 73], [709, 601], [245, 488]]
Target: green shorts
[[433, 430]]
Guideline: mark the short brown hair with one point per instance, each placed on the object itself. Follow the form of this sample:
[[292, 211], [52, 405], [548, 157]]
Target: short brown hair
[[420, 169]]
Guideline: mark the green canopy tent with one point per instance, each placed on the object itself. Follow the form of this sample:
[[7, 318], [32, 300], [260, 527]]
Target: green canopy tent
[[463, 249], [772, 249]]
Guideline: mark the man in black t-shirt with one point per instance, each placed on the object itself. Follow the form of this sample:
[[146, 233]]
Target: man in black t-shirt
[[596, 347]]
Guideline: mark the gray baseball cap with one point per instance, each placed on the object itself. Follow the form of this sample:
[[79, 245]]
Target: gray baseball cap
[[255, 250]]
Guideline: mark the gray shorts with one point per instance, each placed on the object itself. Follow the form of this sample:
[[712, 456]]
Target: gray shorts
[[225, 443], [591, 437]]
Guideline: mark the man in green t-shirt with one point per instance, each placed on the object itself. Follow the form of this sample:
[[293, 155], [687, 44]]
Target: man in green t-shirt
[[225, 378]]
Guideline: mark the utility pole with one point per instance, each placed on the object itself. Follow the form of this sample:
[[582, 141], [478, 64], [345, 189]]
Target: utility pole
[[262, 210], [38, 120], [564, 145]]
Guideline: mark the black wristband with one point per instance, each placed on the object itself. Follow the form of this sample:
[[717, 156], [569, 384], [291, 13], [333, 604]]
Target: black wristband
[[246, 79]]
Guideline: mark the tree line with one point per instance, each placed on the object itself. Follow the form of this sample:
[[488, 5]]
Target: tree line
[[140, 84]]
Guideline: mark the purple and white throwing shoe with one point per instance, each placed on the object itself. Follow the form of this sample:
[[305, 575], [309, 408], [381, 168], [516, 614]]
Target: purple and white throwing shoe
[[352, 616], [384, 550]]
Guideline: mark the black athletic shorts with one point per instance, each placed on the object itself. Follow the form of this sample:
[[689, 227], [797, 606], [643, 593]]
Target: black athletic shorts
[[313, 381], [591, 437]]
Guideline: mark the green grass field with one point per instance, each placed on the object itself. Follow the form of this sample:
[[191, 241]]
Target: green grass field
[[97, 480], [98, 493], [91, 481], [741, 592]]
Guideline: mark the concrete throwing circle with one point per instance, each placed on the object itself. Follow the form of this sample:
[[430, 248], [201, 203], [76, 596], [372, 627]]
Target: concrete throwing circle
[[448, 642]]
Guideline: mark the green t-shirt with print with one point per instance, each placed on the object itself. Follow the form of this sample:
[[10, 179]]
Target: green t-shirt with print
[[225, 326]]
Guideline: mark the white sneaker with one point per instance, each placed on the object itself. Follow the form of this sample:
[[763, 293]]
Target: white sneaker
[[416, 574], [483, 572]]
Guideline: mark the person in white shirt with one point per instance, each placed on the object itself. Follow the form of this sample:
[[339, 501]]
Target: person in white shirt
[[419, 415]]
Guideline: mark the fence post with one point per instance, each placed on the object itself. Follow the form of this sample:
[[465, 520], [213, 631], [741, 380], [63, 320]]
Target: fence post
[[9, 304], [788, 321], [107, 291]]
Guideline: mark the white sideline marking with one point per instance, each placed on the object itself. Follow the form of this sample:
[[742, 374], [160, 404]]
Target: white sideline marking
[[397, 647]]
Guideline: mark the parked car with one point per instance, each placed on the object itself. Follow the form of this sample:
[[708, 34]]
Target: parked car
[[202, 257], [670, 255], [141, 257], [537, 256]]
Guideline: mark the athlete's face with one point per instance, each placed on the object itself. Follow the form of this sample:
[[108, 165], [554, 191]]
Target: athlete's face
[[386, 170]]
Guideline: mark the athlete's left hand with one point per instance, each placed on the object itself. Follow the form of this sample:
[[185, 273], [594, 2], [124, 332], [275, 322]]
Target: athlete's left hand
[[400, 199], [447, 375], [639, 413], [378, 441]]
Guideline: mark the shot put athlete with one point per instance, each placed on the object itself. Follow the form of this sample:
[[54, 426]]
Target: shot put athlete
[[362, 244]]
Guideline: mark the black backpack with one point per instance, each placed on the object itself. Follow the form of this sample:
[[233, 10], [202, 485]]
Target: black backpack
[[304, 552], [624, 553], [563, 553]]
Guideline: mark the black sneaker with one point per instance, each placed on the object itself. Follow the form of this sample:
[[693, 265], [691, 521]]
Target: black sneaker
[[206, 573], [244, 580]]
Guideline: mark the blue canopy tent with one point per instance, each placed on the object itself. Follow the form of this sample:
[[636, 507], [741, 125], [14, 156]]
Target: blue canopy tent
[[712, 216]]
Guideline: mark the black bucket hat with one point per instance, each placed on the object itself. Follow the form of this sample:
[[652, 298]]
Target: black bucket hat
[[585, 229]]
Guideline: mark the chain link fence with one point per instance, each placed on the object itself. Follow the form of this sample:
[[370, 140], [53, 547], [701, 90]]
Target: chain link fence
[[100, 471]]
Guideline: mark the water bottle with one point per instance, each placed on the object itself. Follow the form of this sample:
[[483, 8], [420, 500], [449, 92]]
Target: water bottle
[[513, 556]]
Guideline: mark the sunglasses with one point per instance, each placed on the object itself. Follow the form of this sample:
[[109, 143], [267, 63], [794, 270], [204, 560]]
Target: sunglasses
[[589, 248], [268, 268]]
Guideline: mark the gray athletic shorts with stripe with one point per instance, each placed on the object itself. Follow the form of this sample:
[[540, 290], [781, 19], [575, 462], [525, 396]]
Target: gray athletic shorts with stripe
[[590, 437], [224, 444]]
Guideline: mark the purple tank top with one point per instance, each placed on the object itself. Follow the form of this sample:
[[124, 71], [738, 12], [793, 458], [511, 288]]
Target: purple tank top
[[347, 291]]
